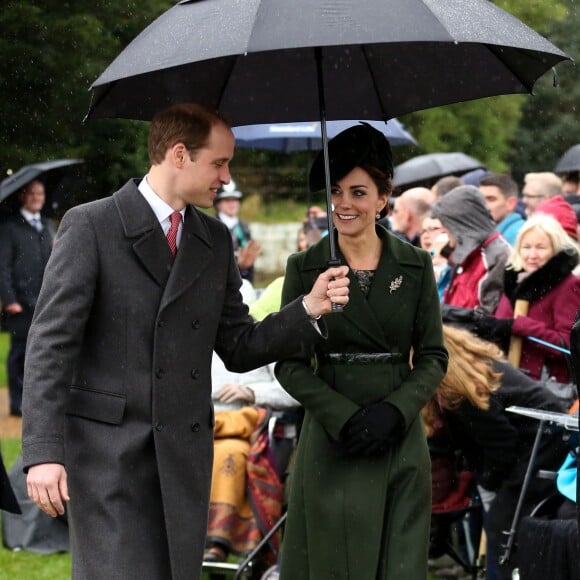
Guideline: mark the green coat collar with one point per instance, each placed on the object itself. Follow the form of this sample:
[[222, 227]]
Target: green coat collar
[[389, 286]]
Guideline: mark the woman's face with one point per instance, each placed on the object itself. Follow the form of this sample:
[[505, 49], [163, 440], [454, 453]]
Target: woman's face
[[535, 250], [431, 229], [356, 202]]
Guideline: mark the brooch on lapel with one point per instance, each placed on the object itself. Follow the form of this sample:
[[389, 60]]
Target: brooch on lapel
[[396, 284]]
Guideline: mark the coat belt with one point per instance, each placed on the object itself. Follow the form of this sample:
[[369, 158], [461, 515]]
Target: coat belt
[[361, 358]]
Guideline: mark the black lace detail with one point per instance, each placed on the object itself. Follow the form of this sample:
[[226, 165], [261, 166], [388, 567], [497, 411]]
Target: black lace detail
[[365, 279]]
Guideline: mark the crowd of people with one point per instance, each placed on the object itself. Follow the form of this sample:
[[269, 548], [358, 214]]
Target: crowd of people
[[461, 302]]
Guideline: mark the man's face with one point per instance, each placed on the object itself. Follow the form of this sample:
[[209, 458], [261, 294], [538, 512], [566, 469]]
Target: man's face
[[202, 176], [532, 197], [498, 204], [33, 197], [569, 187], [400, 216], [229, 206]]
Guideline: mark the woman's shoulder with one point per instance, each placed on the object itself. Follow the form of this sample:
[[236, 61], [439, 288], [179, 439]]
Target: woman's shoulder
[[403, 251]]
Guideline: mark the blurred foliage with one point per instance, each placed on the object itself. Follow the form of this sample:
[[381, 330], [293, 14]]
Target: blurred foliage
[[53, 51], [550, 122]]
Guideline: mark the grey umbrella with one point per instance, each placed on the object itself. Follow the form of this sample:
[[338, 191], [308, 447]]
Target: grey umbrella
[[570, 161], [265, 61], [57, 176], [425, 169]]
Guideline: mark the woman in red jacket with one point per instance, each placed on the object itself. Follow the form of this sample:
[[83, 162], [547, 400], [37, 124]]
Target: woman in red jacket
[[540, 271]]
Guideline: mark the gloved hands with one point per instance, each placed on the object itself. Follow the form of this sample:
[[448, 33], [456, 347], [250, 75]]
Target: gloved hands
[[371, 430], [497, 330]]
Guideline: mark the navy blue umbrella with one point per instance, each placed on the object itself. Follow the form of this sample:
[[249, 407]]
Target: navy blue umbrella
[[290, 137]]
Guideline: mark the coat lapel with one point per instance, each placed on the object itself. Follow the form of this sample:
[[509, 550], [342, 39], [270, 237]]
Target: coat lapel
[[193, 256], [139, 222], [358, 312]]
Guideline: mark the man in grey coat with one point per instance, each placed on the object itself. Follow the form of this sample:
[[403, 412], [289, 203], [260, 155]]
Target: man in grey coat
[[140, 289]]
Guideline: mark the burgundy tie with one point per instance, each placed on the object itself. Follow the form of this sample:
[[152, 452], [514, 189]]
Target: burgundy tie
[[175, 218]]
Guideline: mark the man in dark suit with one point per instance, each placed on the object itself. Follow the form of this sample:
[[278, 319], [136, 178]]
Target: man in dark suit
[[140, 289], [25, 243]]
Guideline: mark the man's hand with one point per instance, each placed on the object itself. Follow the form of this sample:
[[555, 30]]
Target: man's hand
[[247, 256], [231, 393], [331, 286], [13, 308], [47, 487]]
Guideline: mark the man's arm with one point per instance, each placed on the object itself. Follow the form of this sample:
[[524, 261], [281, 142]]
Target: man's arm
[[54, 342]]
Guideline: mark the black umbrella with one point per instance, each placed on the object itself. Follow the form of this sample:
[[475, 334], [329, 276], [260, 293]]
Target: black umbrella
[[425, 169], [261, 61], [570, 161], [57, 176]]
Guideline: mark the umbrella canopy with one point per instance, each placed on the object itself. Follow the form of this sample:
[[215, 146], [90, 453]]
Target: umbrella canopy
[[272, 61], [56, 175], [256, 61], [570, 161], [428, 168], [290, 137]]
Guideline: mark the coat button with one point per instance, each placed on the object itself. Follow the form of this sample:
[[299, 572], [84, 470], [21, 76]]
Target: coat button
[[195, 324], [159, 373], [195, 374], [195, 427], [158, 426]]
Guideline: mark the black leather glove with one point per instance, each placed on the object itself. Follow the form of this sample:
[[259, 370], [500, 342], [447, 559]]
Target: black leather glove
[[372, 429], [498, 330]]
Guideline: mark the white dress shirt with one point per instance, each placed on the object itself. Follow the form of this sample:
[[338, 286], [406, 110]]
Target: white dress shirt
[[161, 209], [33, 219]]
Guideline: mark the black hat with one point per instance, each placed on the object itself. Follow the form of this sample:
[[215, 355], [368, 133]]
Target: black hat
[[354, 147]]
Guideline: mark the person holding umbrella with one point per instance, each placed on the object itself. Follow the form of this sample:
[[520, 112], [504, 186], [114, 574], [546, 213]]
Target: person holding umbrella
[[140, 289], [25, 245], [361, 490]]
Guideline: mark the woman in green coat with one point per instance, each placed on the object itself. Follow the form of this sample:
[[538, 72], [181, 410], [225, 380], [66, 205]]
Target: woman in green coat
[[360, 501]]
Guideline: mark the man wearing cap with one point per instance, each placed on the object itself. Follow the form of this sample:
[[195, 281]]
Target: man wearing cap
[[25, 244], [227, 205]]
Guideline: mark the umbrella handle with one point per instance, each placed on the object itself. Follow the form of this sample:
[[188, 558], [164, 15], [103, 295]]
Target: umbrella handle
[[516, 342], [334, 264]]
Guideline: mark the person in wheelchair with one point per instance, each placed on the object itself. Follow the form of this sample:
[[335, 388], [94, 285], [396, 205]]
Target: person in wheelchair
[[468, 415], [243, 469]]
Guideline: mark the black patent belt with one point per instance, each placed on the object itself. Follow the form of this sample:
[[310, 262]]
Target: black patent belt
[[361, 358]]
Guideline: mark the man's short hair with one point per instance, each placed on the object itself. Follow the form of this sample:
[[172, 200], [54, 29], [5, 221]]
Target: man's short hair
[[446, 184], [503, 182], [187, 123], [549, 183]]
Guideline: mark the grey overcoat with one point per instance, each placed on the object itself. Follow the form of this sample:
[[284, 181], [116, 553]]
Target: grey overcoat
[[360, 518], [117, 382]]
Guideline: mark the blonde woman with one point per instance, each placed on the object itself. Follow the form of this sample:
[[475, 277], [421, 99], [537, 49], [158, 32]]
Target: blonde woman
[[540, 271], [467, 416]]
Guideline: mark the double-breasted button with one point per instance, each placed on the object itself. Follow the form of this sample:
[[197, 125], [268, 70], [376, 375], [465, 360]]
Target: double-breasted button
[[195, 427], [194, 374], [158, 425], [159, 373], [195, 324]]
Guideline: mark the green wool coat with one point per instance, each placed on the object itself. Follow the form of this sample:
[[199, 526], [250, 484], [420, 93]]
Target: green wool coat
[[361, 518]]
